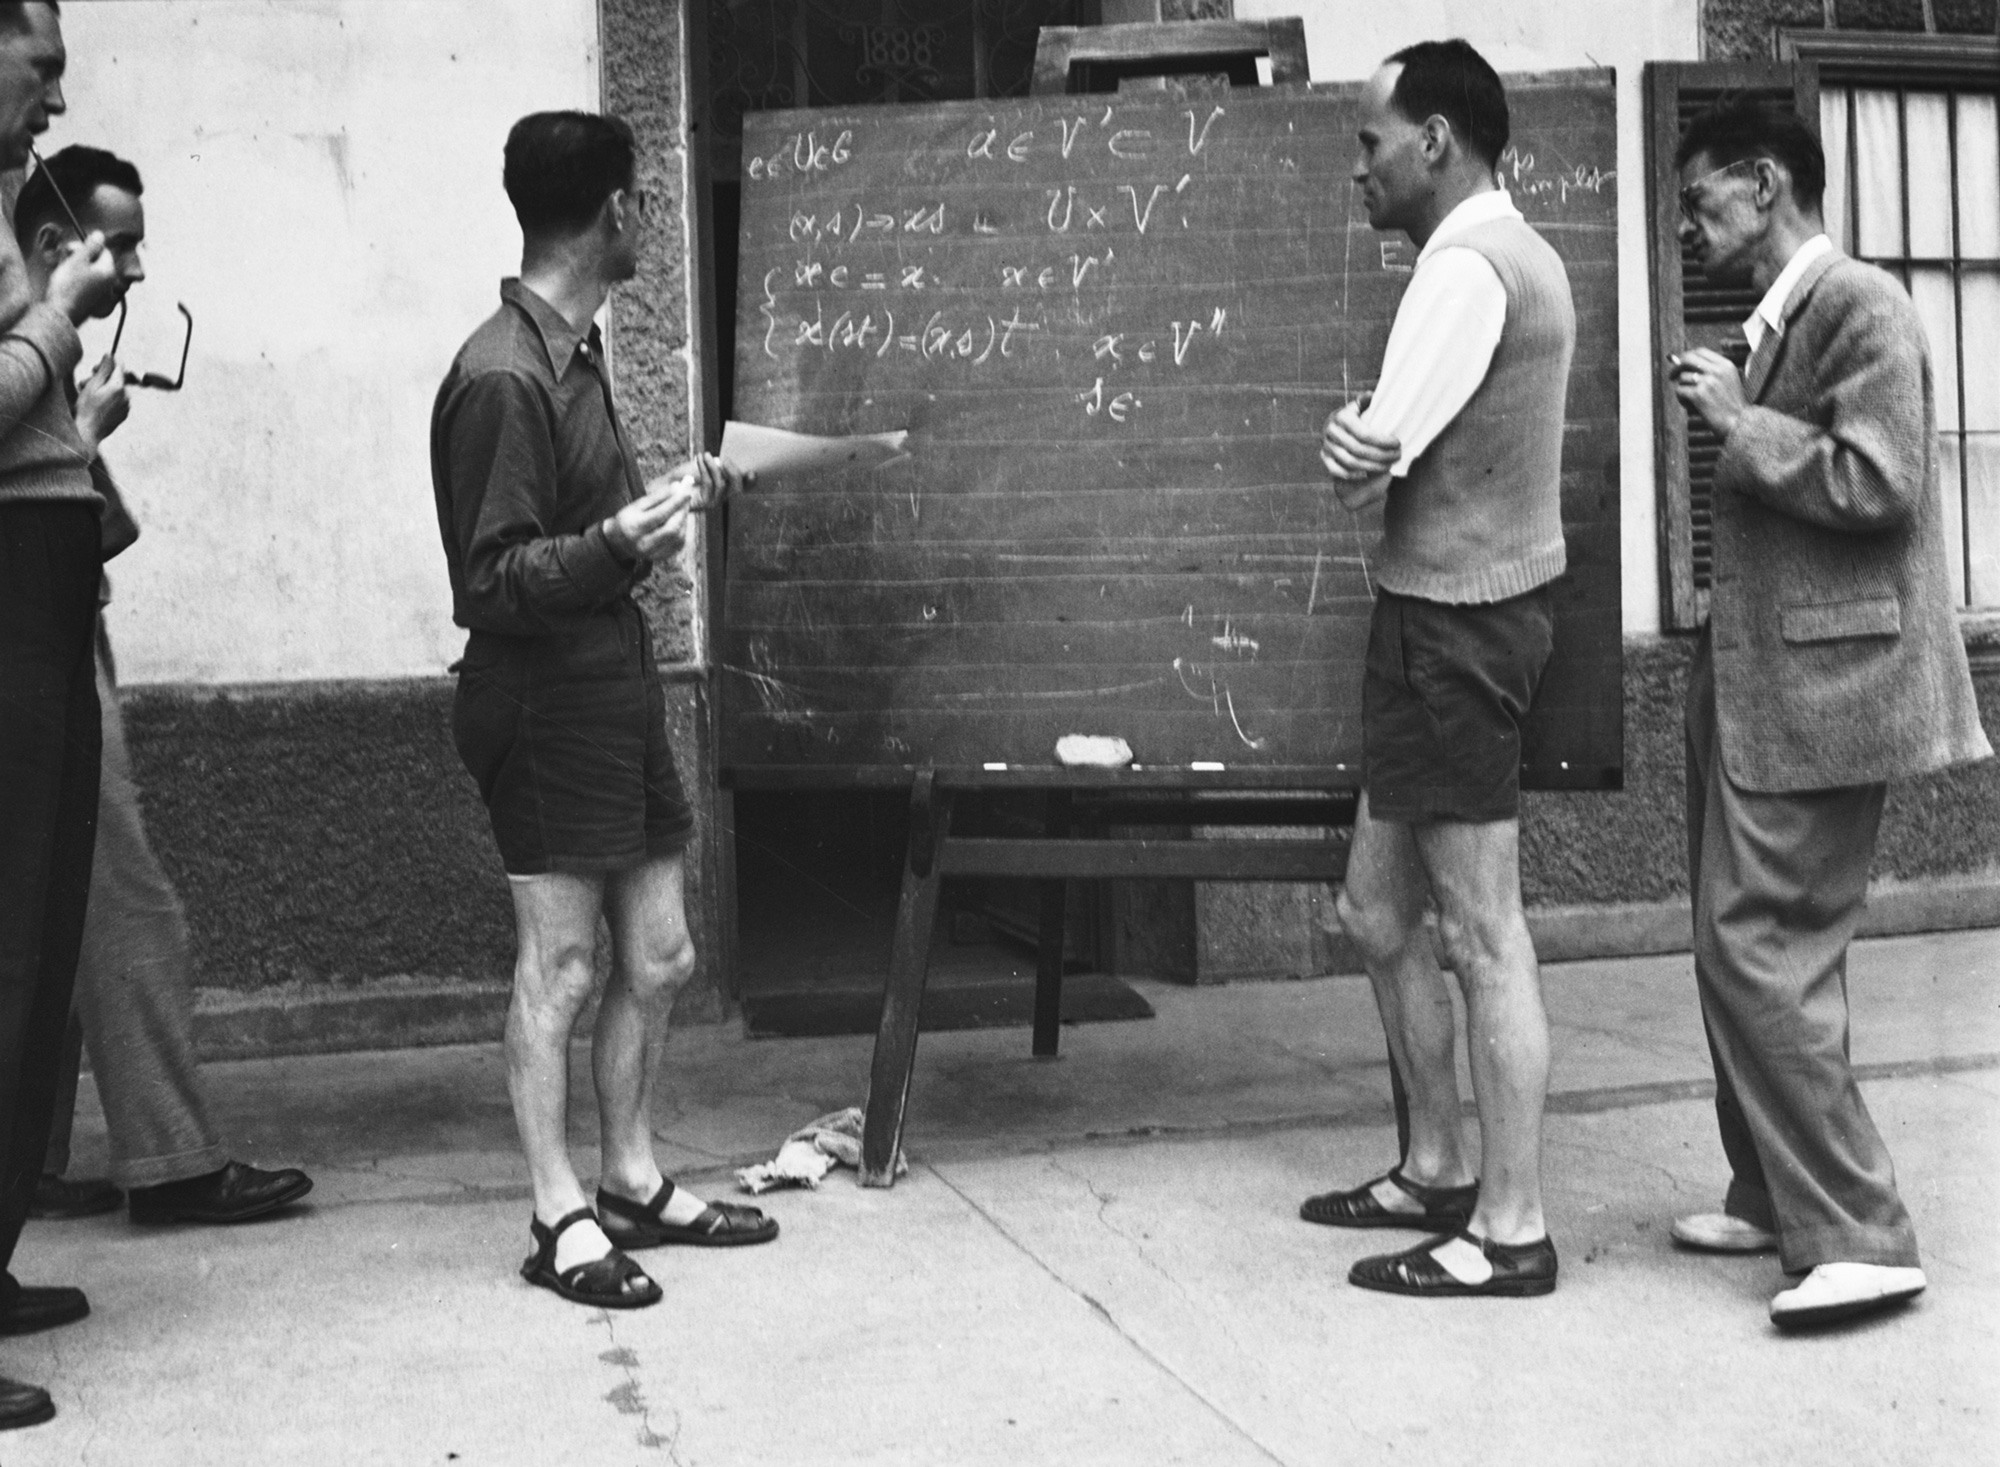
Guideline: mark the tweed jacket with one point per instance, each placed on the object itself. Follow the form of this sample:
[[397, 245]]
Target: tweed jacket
[[1838, 659]]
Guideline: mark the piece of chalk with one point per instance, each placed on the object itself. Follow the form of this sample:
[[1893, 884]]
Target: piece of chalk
[[1209, 764], [994, 766]]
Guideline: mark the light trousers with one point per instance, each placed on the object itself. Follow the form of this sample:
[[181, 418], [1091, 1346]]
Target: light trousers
[[134, 994], [1779, 882]]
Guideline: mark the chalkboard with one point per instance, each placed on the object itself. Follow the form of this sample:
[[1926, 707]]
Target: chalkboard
[[1113, 326]]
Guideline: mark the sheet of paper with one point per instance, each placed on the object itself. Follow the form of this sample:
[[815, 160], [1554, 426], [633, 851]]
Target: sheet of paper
[[778, 451]]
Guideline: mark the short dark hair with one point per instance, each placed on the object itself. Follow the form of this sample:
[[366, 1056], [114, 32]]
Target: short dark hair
[[1738, 128], [65, 181], [562, 166], [1449, 79]]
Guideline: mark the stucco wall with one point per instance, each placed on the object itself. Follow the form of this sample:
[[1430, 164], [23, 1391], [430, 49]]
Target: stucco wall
[[323, 191]]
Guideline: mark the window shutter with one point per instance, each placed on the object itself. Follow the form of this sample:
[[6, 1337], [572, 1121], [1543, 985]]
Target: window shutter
[[1688, 311]]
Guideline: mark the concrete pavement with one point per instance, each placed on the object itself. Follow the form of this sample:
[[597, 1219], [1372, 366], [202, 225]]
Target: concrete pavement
[[1095, 1260]]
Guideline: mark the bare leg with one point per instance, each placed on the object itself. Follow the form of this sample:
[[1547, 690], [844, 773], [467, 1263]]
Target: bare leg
[[1474, 869], [1381, 905], [555, 919], [652, 958]]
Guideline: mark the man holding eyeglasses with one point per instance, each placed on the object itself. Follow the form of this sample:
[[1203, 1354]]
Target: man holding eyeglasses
[[560, 716], [50, 561], [1831, 663], [134, 991]]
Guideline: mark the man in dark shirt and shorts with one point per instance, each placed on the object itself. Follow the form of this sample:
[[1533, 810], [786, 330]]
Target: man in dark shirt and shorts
[[560, 716]]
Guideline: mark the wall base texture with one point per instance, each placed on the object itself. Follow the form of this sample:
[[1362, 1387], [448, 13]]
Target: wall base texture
[[344, 893]]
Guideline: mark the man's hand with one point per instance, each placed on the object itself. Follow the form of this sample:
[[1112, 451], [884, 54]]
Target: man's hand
[[714, 479], [655, 526], [101, 404], [85, 283], [1358, 460], [17, 291], [1708, 383]]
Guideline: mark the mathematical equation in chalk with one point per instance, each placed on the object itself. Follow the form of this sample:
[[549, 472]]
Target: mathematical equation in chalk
[[815, 153]]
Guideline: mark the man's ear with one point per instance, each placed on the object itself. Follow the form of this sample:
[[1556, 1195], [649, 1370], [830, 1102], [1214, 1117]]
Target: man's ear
[[617, 211], [48, 243], [1772, 179], [1436, 137]]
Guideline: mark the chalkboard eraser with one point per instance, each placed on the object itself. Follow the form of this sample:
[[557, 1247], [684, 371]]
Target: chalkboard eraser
[[1098, 751], [1207, 765]]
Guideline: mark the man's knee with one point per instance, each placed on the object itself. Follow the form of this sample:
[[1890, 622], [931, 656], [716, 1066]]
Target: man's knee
[[1483, 946], [659, 968], [1376, 928], [554, 978]]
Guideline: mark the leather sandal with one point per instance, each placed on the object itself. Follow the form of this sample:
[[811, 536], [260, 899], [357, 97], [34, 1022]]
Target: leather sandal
[[718, 1225], [602, 1281], [1446, 1209], [1519, 1270]]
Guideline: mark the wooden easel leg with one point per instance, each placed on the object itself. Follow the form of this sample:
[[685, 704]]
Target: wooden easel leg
[[903, 994], [1054, 926], [1049, 968]]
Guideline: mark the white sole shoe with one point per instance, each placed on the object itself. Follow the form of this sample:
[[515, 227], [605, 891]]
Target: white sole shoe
[[1718, 1232], [1835, 1291]]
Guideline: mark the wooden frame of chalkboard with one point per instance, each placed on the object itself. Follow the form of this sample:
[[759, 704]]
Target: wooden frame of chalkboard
[[1112, 327]]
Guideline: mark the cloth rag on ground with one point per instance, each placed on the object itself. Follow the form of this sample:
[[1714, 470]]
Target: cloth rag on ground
[[812, 1151]]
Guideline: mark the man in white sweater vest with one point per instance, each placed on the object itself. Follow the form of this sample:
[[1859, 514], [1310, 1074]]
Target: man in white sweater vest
[[1461, 443]]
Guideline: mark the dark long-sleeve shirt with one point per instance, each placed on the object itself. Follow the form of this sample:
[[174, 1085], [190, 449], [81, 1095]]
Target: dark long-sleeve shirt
[[528, 461]]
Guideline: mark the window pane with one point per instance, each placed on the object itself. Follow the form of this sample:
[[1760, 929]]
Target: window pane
[[1978, 177], [1833, 138], [1930, 288], [1878, 174], [1980, 320], [1982, 493], [1951, 489], [1926, 120]]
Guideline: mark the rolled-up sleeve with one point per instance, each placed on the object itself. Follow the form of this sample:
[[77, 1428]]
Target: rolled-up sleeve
[[521, 574]]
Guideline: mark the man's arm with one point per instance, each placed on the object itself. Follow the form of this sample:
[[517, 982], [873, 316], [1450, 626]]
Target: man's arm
[[1443, 339], [40, 349], [519, 575], [1441, 344], [1866, 469]]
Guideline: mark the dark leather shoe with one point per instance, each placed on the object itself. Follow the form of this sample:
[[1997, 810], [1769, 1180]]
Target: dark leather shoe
[[22, 1404], [86, 1197], [235, 1194], [27, 1308]]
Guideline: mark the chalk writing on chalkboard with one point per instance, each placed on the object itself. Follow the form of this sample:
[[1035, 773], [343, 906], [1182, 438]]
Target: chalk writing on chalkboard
[[1113, 328]]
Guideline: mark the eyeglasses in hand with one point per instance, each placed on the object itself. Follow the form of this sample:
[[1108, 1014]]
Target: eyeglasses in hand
[[154, 379]]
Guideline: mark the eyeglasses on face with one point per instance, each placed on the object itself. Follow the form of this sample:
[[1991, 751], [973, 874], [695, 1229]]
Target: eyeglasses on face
[[154, 379], [1692, 195]]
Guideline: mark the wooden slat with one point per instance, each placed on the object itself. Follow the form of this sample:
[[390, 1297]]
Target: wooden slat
[[1258, 860]]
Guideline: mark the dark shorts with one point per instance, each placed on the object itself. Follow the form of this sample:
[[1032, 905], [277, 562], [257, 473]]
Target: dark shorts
[[566, 737], [1442, 701]]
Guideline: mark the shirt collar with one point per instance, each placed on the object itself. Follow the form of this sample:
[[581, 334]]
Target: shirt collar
[[1481, 208], [1770, 313], [559, 339]]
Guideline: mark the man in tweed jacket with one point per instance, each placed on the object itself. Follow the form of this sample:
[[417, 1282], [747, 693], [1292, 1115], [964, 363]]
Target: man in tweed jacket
[[1831, 663]]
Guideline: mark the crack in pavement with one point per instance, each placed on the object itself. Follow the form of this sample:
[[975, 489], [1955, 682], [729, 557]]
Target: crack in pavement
[[1104, 1201], [1110, 1320], [628, 1399]]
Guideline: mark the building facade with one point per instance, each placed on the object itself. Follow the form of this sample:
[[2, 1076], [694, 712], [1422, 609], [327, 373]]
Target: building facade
[[323, 194]]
